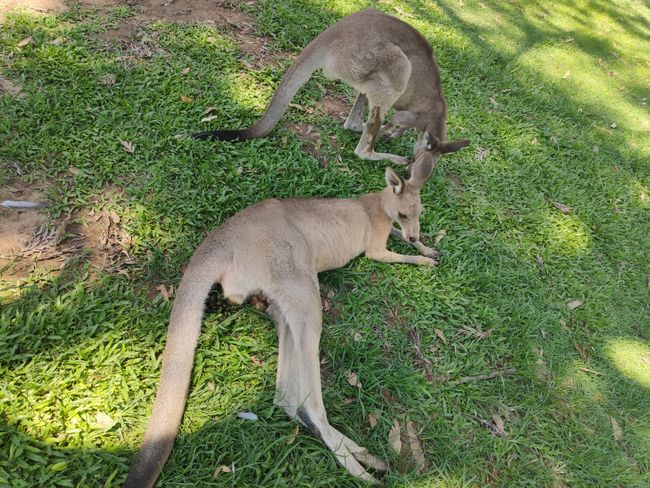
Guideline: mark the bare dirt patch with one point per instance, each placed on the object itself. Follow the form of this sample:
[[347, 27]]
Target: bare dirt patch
[[38, 6], [219, 13], [17, 226], [335, 106], [30, 242], [11, 88]]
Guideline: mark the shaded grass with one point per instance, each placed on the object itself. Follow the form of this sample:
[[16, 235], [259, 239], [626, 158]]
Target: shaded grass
[[79, 347]]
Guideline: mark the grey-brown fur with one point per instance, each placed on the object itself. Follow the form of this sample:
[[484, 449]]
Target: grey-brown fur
[[276, 248], [388, 63]]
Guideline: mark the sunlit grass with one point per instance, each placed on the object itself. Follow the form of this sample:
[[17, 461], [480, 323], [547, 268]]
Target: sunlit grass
[[631, 358]]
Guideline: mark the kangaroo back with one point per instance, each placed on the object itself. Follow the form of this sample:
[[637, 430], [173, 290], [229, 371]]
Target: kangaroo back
[[298, 74], [178, 358]]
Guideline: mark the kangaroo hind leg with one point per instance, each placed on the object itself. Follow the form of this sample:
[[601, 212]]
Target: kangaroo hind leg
[[296, 309]]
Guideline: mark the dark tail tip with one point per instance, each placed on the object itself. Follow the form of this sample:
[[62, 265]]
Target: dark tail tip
[[221, 135]]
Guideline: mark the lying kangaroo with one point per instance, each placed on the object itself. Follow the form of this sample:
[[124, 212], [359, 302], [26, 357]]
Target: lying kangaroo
[[275, 250], [388, 63]]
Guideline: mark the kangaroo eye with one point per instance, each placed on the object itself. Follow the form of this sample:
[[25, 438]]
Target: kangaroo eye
[[401, 215]]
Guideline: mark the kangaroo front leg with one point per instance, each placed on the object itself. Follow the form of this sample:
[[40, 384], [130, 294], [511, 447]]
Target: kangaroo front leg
[[386, 256], [355, 118], [366, 147], [298, 318], [424, 250]]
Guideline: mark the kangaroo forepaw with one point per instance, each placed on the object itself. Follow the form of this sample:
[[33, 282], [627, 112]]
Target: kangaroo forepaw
[[429, 252]]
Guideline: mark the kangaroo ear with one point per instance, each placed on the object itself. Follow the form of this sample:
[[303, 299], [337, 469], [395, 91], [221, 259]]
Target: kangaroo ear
[[421, 169], [453, 146], [394, 181]]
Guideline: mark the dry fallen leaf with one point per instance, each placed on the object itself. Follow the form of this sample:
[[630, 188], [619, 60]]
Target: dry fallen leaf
[[616, 429], [209, 118], [221, 469], [573, 304], [73, 170], [498, 425], [372, 419], [24, 42], [186, 70], [566, 75], [614, 125], [582, 350], [186, 99], [562, 208], [103, 420], [416, 448], [439, 236], [302, 108], [394, 438], [357, 336], [163, 291], [257, 361], [352, 379], [108, 79], [57, 41], [128, 146], [441, 335], [293, 435]]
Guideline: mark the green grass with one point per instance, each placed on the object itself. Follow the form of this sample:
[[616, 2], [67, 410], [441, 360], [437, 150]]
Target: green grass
[[80, 353]]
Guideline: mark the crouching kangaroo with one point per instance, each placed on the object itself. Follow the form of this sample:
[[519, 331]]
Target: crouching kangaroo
[[388, 63], [275, 249]]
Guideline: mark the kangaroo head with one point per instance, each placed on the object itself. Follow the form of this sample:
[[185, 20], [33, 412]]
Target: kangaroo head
[[401, 198], [431, 144]]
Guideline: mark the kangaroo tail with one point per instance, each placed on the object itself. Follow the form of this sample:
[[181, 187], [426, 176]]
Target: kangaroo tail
[[297, 75], [177, 361]]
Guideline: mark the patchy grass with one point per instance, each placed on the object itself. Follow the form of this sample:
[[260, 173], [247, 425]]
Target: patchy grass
[[554, 98]]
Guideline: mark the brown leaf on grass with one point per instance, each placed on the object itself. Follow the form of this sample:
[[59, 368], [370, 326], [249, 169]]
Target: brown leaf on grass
[[394, 437], [24, 42], [221, 469], [573, 304], [301, 108], [416, 448], [352, 378], [498, 425], [357, 336], [209, 118], [481, 153], [128, 146], [582, 350], [74, 170], [57, 41], [617, 432], [293, 435], [372, 419], [441, 335], [163, 291], [613, 125], [108, 80], [566, 75], [347, 401], [541, 370], [186, 99], [186, 70], [257, 361], [439, 236], [562, 208], [103, 420]]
